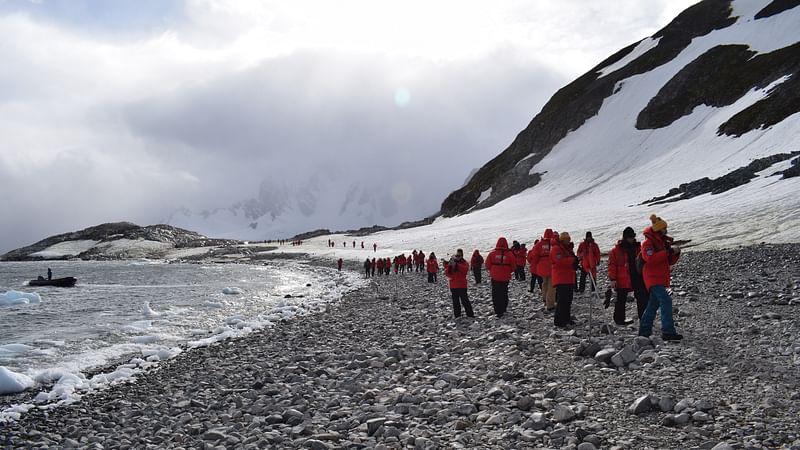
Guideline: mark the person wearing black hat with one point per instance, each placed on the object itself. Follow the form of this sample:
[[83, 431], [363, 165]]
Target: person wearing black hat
[[625, 277], [589, 256]]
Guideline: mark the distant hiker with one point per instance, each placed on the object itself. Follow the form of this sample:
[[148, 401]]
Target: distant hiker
[[501, 264], [432, 267], [564, 263], [374, 247], [456, 272], [339, 264], [372, 266], [589, 256], [367, 267], [519, 259], [354, 244], [402, 262], [344, 244], [625, 277], [381, 262], [477, 264], [409, 264], [658, 255], [49, 274], [420, 261], [541, 259], [534, 277], [387, 266], [362, 244]]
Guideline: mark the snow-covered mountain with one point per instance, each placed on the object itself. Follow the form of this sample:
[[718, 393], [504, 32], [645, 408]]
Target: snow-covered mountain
[[321, 200], [698, 123]]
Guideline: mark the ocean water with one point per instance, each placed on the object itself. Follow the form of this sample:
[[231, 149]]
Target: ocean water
[[122, 309]]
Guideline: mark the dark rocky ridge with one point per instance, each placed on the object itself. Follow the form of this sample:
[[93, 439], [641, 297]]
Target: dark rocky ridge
[[718, 78], [721, 76], [733, 179], [570, 107], [776, 7], [107, 232]]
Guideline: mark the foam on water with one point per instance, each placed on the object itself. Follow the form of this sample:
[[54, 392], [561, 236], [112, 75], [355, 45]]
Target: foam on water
[[136, 312]]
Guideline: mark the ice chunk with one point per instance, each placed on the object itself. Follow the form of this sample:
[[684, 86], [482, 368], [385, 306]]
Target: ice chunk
[[13, 382]]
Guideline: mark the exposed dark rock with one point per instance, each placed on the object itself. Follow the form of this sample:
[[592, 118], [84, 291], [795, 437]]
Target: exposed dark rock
[[776, 7], [106, 232], [781, 102], [733, 179], [570, 107], [311, 234], [792, 171]]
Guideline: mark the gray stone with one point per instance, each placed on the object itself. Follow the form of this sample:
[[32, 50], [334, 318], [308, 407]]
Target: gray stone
[[586, 446], [681, 405], [563, 413], [624, 357], [314, 444], [682, 419], [640, 405], [605, 355], [703, 405], [374, 424], [467, 409], [666, 404], [722, 446], [422, 443], [525, 403], [700, 416]]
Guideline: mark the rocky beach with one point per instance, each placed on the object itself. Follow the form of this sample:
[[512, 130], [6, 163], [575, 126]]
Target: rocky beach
[[388, 367]]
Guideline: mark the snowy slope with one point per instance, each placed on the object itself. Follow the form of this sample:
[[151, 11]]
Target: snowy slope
[[596, 177]]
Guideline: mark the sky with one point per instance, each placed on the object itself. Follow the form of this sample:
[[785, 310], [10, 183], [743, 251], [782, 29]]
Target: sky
[[131, 110]]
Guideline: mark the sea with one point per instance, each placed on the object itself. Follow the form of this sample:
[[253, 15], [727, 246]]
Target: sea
[[123, 310]]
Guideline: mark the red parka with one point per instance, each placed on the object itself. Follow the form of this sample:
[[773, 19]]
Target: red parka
[[520, 255], [541, 255], [457, 274], [589, 254], [381, 263], [432, 265], [477, 259], [563, 263], [619, 269], [500, 262], [657, 260]]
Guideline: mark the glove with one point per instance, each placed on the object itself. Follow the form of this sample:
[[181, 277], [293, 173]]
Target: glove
[[607, 302]]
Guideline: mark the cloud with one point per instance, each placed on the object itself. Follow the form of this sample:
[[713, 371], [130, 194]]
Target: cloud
[[196, 108]]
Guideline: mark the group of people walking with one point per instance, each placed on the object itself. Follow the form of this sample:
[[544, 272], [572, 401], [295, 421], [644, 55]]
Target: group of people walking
[[643, 269]]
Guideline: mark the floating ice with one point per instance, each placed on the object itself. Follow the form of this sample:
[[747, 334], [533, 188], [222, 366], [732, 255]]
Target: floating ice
[[13, 382], [19, 298], [145, 339], [15, 348], [231, 291], [148, 311]]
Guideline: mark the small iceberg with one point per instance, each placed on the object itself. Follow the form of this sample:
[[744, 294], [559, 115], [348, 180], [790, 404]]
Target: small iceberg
[[231, 291], [19, 298], [13, 382]]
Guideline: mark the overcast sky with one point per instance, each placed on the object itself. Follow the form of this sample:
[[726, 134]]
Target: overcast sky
[[128, 110]]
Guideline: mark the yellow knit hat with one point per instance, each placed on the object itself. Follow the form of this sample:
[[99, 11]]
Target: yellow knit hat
[[659, 224], [564, 237]]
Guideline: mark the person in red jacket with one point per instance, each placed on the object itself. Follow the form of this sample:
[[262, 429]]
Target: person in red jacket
[[501, 264], [432, 267], [477, 264], [373, 265], [409, 264], [564, 263], [387, 265], [624, 276], [589, 256], [541, 259], [381, 262], [534, 277], [339, 264], [658, 255], [456, 272], [520, 255], [402, 262], [420, 261]]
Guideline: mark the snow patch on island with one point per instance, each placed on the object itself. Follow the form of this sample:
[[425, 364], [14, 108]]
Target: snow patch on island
[[64, 249]]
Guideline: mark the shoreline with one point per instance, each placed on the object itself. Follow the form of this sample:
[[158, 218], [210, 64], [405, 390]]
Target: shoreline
[[372, 372]]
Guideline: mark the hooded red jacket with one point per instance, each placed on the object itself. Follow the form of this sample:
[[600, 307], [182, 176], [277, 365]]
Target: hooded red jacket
[[589, 254], [520, 254], [657, 260], [563, 263], [477, 259], [500, 262], [458, 277], [432, 265], [541, 255]]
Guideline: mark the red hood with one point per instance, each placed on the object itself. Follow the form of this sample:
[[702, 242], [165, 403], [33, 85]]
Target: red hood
[[475, 253], [548, 234], [502, 244]]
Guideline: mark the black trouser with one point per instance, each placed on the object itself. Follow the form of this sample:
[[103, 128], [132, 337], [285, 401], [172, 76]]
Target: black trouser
[[582, 285], [622, 295], [431, 277], [373, 271], [564, 293], [367, 271], [476, 271], [460, 298], [535, 279], [500, 297]]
